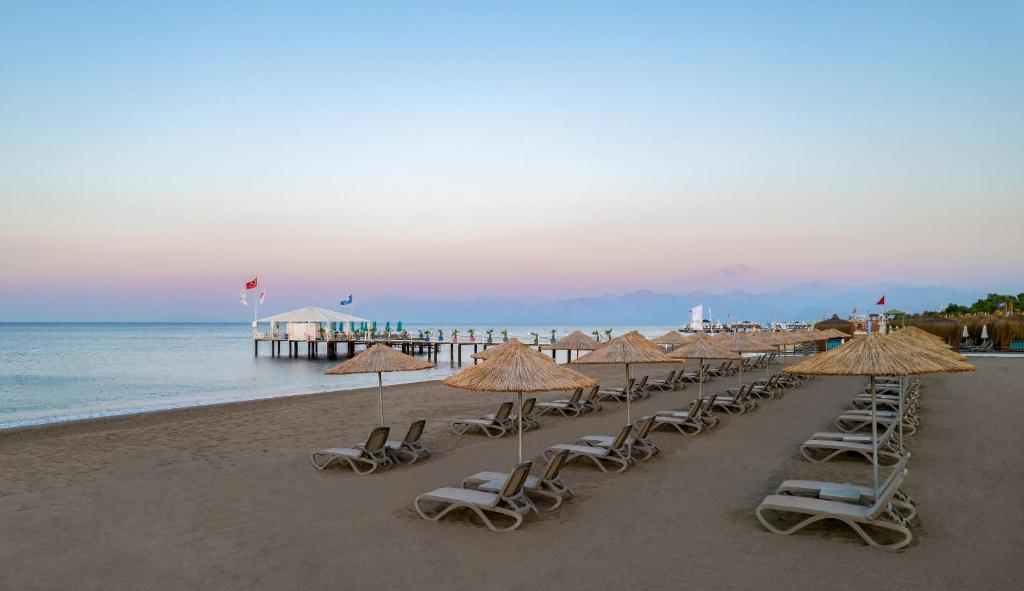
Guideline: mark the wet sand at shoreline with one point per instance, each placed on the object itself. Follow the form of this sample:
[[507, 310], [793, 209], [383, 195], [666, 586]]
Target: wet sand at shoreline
[[224, 497]]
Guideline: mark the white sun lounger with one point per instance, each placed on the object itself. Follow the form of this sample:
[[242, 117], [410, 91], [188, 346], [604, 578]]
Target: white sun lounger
[[509, 502], [570, 407], [690, 421], [864, 520], [410, 449], [667, 383], [736, 404], [494, 425], [854, 420], [529, 420], [549, 485], [364, 459], [616, 455], [641, 443], [823, 450], [855, 492]]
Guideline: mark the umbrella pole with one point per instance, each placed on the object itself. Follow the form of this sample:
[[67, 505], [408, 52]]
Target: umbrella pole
[[629, 440], [380, 394], [627, 393], [903, 390], [519, 419], [874, 438], [700, 383]]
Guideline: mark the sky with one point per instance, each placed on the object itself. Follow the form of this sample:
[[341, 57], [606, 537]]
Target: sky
[[153, 157]]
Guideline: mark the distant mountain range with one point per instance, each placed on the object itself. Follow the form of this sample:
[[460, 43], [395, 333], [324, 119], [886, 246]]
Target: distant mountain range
[[805, 301]]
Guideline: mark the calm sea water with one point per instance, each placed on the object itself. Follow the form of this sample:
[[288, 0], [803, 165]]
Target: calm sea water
[[56, 372]]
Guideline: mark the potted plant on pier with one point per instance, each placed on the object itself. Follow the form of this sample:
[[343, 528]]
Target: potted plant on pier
[[490, 335], [536, 337], [472, 335], [455, 335], [504, 335], [553, 331], [440, 334]]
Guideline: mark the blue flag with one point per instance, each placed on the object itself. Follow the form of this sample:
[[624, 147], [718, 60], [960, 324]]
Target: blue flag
[[347, 301]]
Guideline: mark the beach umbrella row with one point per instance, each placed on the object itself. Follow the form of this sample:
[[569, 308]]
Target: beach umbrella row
[[876, 355], [742, 343], [700, 348]]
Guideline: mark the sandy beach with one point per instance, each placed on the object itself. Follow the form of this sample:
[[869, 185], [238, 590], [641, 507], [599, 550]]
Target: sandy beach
[[224, 497]]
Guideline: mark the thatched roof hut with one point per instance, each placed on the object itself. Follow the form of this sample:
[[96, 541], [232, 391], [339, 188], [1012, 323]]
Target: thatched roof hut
[[837, 323], [834, 323], [1008, 333], [975, 322], [948, 329]]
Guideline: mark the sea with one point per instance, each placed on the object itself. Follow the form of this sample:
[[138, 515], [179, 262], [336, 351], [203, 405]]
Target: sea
[[54, 372]]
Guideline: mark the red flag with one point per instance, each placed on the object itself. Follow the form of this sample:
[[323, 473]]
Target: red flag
[[881, 302], [251, 284]]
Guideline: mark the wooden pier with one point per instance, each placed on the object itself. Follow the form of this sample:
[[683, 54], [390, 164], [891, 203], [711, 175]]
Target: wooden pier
[[338, 348]]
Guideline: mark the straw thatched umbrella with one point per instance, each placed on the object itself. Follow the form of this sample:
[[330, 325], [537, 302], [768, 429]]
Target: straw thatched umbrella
[[701, 348], [921, 334], [671, 338], [919, 338], [628, 349], [379, 359], [775, 339], [574, 341], [876, 355], [639, 339], [518, 368], [490, 351], [743, 343]]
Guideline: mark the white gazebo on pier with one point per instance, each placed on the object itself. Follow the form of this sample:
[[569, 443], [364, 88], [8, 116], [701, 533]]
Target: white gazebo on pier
[[309, 323]]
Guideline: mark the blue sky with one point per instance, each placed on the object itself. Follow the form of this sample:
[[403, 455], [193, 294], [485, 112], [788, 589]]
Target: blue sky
[[523, 149]]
